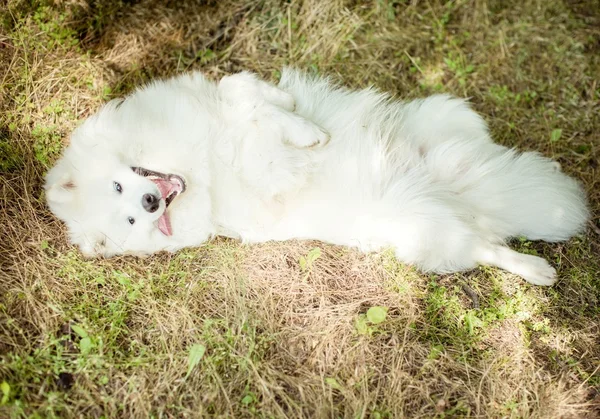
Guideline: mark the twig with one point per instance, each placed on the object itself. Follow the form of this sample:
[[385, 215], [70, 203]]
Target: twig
[[595, 227], [472, 295]]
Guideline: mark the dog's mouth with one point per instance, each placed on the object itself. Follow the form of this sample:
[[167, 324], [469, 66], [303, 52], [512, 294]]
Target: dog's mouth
[[170, 186]]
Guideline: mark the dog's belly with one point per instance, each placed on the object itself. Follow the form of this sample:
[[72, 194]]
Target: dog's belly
[[323, 212]]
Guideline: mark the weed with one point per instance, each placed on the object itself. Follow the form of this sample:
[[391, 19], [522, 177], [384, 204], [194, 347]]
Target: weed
[[47, 143]]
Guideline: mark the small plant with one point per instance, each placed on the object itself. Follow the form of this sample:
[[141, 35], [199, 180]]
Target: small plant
[[555, 135], [366, 324], [85, 343], [306, 262], [132, 289], [248, 399], [9, 157], [460, 69], [54, 27], [195, 356], [333, 383], [436, 351], [47, 143], [5, 388], [526, 246], [472, 322]]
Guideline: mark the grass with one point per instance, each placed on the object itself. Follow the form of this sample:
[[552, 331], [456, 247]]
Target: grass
[[295, 329]]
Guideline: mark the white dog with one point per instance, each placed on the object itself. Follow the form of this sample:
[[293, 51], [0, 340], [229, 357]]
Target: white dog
[[182, 160]]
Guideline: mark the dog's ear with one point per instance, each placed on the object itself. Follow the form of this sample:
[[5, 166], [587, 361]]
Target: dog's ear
[[60, 183]]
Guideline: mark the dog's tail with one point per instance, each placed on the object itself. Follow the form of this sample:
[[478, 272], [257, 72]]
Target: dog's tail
[[513, 194], [530, 196]]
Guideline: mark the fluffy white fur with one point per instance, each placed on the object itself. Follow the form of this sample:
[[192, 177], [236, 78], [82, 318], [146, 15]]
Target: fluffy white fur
[[309, 160]]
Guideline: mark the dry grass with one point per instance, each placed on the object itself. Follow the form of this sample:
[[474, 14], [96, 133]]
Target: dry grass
[[284, 338]]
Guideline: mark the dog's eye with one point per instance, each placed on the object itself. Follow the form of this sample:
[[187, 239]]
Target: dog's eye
[[118, 188], [131, 220]]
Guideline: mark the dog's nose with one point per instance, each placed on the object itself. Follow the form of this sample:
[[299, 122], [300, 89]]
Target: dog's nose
[[150, 202]]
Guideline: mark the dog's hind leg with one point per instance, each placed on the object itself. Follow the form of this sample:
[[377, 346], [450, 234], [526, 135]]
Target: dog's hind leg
[[438, 232], [460, 248], [533, 269]]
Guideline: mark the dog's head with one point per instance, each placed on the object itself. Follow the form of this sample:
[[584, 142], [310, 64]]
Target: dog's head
[[108, 206], [115, 185]]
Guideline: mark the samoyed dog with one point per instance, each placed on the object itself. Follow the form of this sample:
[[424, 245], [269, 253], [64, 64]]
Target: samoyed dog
[[182, 160]]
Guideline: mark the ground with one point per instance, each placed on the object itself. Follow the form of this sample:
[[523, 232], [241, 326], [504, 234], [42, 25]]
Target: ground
[[296, 329]]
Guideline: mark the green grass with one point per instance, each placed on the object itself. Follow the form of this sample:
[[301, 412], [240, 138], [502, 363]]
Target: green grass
[[295, 329]]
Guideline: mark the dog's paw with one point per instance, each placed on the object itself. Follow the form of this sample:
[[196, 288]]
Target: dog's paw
[[533, 269], [305, 134], [247, 90], [276, 96], [295, 130], [537, 271]]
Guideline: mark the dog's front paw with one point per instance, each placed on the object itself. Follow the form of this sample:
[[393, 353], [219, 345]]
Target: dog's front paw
[[278, 97], [295, 130], [305, 134], [247, 90]]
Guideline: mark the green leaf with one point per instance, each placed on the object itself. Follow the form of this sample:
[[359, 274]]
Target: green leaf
[[435, 352], [472, 321], [333, 383], [555, 135], [302, 262], [85, 345], [362, 328], [79, 330], [196, 354], [5, 387], [133, 295], [313, 255], [377, 314], [249, 398], [122, 278], [306, 263]]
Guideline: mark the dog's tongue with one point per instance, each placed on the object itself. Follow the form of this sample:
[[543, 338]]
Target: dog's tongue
[[164, 224], [166, 186]]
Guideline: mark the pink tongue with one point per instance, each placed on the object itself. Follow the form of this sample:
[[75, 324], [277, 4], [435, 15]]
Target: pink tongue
[[165, 187], [164, 224]]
